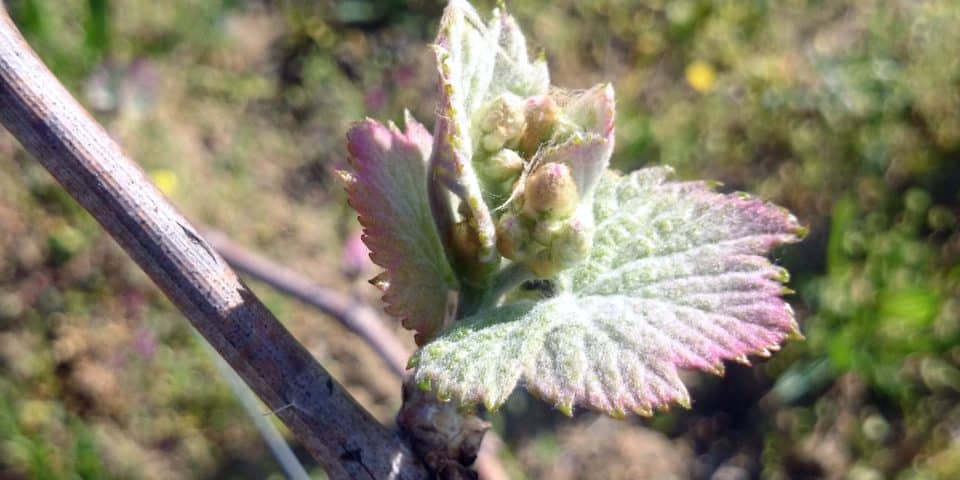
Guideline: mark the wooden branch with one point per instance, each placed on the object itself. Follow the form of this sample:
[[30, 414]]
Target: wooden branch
[[52, 126], [358, 317]]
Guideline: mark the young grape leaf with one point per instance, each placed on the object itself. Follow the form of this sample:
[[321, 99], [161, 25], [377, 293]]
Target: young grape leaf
[[477, 62], [676, 279], [587, 150], [387, 188]]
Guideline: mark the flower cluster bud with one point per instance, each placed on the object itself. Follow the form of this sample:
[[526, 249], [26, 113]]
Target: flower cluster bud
[[542, 114], [546, 246], [572, 243], [543, 229], [513, 235], [568, 245], [503, 123], [502, 166], [465, 243], [550, 191]]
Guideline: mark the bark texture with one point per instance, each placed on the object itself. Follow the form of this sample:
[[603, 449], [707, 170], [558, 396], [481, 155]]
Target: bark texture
[[55, 129]]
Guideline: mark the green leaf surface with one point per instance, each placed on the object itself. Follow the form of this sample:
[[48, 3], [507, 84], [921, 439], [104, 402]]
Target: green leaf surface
[[676, 279]]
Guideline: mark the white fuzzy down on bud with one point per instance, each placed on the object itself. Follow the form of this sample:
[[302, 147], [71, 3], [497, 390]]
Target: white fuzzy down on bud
[[502, 122]]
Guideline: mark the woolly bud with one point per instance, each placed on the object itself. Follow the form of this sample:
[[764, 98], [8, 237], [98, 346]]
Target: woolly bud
[[512, 236], [502, 122], [542, 114], [550, 191], [565, 244], [502, 166], [546, 230], [465, 243], [572, 243]]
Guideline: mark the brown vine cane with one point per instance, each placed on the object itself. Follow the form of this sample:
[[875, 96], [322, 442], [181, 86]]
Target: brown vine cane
[[77, 151]]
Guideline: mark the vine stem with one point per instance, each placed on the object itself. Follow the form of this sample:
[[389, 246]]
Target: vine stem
[[504, 281], [359, 317], [272, 437], [346, 440]]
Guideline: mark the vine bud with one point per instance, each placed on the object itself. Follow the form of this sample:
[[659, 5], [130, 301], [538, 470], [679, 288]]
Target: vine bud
[[546, 230], [550, 191], [503, 122], [465, 242], [512, 236], [568, 245], [542, 114], [572, 243], [502, 166]]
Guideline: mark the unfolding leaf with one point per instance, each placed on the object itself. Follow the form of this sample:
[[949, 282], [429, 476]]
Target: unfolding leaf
[[588, 152], [388, 190], [676, 279], [476, 62]]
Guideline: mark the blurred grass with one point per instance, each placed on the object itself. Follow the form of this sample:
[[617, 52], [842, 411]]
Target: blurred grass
[[846, 112]]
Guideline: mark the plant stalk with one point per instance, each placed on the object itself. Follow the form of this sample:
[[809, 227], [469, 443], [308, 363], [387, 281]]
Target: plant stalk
[[79, 153]]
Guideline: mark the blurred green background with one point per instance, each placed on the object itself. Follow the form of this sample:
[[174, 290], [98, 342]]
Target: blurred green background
[[847, 112]]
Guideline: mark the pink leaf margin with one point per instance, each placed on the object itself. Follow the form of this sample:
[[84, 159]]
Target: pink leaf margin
[[618, 346], [388, 188]]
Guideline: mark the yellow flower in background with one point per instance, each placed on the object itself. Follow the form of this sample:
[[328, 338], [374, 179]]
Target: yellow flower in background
[[701, 76], [166, 180]]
